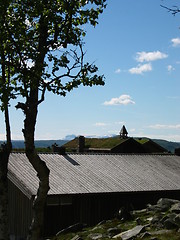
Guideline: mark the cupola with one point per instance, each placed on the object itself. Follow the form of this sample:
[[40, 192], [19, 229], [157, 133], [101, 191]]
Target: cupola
[[123, 132]]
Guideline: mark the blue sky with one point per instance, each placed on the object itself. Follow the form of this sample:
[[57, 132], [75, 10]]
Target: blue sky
[[136, 45]]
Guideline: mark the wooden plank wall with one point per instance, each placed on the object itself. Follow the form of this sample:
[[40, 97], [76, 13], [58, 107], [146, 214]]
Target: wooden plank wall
[[20, 212], [93, 208]]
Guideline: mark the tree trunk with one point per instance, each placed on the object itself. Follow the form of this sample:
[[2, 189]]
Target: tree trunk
[[4, 157], [36, 228]]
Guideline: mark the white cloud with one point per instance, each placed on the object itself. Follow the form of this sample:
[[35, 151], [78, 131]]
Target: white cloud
[[118, 70], [170, 68], [141, 68], [30, 63], [100, 124], [175, 42], [164, 126], [2, 137], [120, 123], [132, 130], [150, 56], [122, 100], [28, 23]]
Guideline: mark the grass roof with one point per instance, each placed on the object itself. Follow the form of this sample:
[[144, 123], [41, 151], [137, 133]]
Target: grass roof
[[142, 140], [96, 142]]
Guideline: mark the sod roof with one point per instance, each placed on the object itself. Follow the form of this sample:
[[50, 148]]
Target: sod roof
[[96, 143], [112, 142]]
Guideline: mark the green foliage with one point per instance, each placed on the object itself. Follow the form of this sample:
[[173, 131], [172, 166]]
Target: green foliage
[[43, 46], [5, 88]]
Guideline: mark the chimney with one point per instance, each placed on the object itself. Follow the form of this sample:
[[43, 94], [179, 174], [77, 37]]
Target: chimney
[[177, 151], [56, 149], [81, 144]]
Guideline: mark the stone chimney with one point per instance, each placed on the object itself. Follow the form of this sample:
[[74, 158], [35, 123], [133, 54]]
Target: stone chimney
[[81, 144]]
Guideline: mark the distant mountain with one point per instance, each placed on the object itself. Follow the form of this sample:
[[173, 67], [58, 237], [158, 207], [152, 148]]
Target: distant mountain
[[72, 136], [69, 137], [39, 143], [170, 146]]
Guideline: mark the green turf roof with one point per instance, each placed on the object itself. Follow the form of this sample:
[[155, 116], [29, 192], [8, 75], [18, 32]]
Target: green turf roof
[[96, 142], [142, 140]]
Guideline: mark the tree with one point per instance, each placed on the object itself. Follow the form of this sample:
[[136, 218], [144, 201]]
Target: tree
[[5, 95], [46, 42]]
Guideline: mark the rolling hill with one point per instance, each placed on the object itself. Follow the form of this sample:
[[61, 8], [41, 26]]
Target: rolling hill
[[39, 143], [17, 144]]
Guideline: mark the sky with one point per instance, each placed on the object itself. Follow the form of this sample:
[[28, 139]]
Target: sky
[[136, 45]]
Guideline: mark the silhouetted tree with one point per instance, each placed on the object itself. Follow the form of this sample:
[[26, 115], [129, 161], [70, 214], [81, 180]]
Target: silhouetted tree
[[46, 42], [5, 150]]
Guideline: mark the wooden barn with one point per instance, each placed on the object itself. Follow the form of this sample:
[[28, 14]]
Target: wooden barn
[[87, 188]]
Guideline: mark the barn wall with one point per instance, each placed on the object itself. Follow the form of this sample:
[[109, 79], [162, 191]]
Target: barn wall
[[20, 213], [93, 208]]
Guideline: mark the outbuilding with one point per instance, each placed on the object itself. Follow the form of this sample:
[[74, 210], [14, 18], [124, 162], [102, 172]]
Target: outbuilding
[[88, 188]]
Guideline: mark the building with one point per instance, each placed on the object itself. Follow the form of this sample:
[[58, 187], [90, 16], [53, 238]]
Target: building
[[116, 144], [88, 187]]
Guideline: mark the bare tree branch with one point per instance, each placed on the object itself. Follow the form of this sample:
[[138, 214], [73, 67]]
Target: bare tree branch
[[173, 10]]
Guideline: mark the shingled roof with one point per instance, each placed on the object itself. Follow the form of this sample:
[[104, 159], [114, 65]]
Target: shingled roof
[[98, 173]]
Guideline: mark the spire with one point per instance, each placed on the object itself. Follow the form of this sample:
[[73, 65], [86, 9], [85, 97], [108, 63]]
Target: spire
[[123, 132]]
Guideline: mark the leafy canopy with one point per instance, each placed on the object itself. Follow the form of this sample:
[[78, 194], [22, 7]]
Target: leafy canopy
[[43, 45]]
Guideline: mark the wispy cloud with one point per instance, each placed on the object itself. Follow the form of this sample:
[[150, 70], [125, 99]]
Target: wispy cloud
[[150, 56], [174, 97], [175, 42], [118, 70], [100, 124], [141, 69], [132, 130], [164, 126], [120, 123], [170, 68], [122, 100]]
